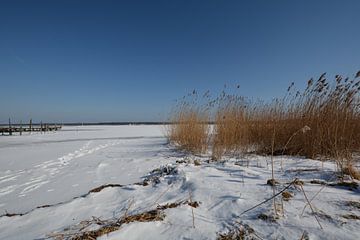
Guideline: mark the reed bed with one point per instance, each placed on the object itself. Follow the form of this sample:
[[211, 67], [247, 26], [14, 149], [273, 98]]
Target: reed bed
[[190, 126], [322, 121]]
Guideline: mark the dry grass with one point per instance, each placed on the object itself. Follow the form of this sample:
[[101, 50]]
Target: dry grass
[[100, 188], [322, 121], [240, 232], [150, 216], [286, 196], [81, 231], [190, 129], [351, 216], [352, 204], [231, 129], [350, 170]]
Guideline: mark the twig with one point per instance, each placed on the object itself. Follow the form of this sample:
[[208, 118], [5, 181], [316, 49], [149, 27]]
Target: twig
[[192, 210], [296, 179], [317, 193], [303, 130], [126, 210], [311, 206], [162, 194], [303, 235], [272, 155], [272, 169], [274, 200], [302, 213]]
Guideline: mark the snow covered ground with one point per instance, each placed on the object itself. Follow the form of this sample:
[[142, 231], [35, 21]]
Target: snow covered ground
[[47, 178]]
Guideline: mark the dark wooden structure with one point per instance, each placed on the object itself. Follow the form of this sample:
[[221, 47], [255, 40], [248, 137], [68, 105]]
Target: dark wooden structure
[[20, 128]]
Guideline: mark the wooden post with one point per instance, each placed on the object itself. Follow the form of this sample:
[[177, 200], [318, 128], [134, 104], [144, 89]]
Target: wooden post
[[30, 125], [21, 128], [10, 130]]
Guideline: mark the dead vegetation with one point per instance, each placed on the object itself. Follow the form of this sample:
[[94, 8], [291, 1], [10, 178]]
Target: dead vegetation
[[321, 121], [286, 196], [350, 170], [197, 162], [353, 204], [272, 182], [81, 230], [111, 226], [351, 216], [85, 229], [189, 129], [155, 175], [239, 232], [100, 188], [266, 217], [349, 185]]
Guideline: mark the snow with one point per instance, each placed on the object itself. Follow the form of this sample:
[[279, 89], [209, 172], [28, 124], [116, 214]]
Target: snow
[[61, 167]]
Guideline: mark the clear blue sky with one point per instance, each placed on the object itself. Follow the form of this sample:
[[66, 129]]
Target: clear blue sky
[[89, 61]]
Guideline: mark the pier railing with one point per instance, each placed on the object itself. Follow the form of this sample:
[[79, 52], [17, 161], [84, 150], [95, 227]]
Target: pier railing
[[20, 128]]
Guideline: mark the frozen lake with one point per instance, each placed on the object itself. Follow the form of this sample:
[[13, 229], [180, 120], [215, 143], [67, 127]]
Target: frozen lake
[[38, 169]]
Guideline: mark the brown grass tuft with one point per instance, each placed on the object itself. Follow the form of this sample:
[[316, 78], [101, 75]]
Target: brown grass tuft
[[241, 232], [351, 216], [286, 195], [153, 215], [350, 170]]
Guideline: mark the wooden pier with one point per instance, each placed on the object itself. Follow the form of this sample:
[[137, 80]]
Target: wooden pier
[[20, 128]]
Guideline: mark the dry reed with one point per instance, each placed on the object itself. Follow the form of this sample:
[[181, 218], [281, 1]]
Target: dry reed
[[189, 129], [321, 121]]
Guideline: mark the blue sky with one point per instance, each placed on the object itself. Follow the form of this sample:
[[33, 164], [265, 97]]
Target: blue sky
[[74, 61]]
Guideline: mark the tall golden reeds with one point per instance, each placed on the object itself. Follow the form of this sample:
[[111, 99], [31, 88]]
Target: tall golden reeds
[[321, 121], [331, 111], [189, 128], [230, 133]]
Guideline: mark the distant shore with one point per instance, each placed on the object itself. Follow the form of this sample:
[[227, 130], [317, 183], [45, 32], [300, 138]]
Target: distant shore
[[96, 123]]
